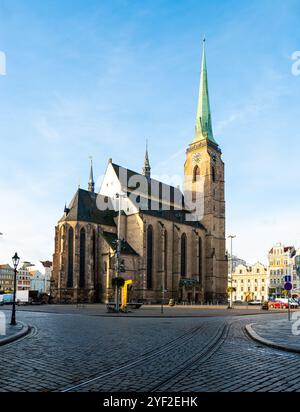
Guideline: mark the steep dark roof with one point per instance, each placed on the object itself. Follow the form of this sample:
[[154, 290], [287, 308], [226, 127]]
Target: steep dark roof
[[176, 216], [176, 198], [83, 207], [112, 238], [175, 193]]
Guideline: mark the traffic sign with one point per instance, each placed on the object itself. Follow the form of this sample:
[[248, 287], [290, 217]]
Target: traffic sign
[[288, 278], [288, 286]]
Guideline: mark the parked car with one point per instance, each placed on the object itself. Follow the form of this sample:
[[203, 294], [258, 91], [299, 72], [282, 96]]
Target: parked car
[[277, 304], [254, 302], [293, 303], [238, 302]]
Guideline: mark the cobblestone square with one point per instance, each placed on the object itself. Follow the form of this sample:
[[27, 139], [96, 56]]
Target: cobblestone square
[[83, 352]]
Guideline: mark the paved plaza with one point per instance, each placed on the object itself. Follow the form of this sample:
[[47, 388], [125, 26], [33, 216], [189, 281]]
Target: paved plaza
[[66, 352]]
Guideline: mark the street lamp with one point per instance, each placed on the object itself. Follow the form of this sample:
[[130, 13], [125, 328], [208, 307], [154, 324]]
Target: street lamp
[[118, 268], [16, 261], [231, 270]]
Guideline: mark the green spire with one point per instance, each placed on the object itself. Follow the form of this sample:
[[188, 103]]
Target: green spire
[[203, 129]]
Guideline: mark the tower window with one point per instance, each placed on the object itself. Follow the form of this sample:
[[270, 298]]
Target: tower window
[[213, 173], [196, 173]]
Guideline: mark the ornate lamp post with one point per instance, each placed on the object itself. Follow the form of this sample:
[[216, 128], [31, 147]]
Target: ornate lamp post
[[230, 306], [16, 261]]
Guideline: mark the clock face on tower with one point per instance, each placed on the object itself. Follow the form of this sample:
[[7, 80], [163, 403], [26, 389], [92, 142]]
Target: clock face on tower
[[196, 158]]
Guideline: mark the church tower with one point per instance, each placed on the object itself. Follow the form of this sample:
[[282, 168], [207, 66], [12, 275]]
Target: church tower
[[204, 187]]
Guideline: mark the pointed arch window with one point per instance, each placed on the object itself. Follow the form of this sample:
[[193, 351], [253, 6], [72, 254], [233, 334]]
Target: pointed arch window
[[82, 259], [200, 260], [149, 256], [196, 173], [183, 248], [166, 259], [213, 173], [70, 257], [94, 255]]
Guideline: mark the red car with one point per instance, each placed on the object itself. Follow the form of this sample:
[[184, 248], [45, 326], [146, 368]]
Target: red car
[[277, 305]]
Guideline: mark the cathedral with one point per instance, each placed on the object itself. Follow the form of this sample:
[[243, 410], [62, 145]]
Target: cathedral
[[171, 242]]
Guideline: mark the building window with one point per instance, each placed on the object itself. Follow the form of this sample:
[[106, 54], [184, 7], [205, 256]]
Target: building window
[[82, 259], [70, 257], [183, 256], [200, 260], [94, 256], [149, 256], [166, 259], [196, 173], [213, 173]]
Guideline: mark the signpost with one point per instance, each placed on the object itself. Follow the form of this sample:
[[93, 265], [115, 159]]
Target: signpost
[[288, 287]]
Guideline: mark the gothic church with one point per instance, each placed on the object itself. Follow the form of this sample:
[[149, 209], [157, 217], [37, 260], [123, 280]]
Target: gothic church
[[163, 246]]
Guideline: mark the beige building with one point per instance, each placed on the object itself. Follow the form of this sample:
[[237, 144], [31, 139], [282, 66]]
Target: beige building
[[23, 279], [250, 282], [170, 240], [281, 264], [6, 277]]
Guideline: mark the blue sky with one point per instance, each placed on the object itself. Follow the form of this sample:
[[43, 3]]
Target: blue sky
[[97, 78]]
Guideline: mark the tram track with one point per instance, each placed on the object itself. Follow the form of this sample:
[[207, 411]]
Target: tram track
[[209, 346], [195, 360], [148, 356]]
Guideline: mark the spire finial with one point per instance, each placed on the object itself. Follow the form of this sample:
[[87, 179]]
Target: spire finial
[[91, 186], [146, 169]]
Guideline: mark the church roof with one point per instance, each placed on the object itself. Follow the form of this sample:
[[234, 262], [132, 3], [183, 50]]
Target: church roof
[[177, 214], [112, 239], [83, 207]]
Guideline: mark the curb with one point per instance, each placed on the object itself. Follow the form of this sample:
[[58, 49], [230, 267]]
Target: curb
[[23, 332], [253, 335]]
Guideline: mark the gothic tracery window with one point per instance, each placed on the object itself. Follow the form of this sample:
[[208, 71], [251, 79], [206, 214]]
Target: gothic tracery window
[[183, 256], [70, 257], [82, 259], [149, 256], [166, 259], [200, 259]]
